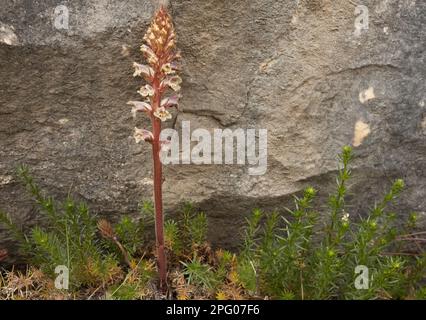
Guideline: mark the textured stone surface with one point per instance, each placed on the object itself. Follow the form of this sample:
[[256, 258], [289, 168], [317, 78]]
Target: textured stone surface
[[296, 68]]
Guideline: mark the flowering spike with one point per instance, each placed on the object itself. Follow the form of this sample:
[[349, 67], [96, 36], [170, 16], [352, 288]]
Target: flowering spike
[[161, 35], [106, 229], [159, 50]]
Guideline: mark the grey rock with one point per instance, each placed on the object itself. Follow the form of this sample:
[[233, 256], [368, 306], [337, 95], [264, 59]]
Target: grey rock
[[296, 68]]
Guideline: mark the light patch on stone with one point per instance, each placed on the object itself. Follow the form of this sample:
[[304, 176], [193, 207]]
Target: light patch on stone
[[125, 50], [5, 180], [382, 6], [294, 19], [362, 130], [266, 66], [386, 30], [422, 103], [100, 15], [147, 182], [7, 35], [163, 2], [63, 121], [366, 95], [424, 124]]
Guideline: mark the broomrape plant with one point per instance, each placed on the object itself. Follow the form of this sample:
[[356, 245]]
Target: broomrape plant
[[160, 75]]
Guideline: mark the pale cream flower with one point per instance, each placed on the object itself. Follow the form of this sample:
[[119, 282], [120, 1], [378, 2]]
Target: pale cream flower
[[173, 82], [139, 106], [141, 69], [162, 114], [167, 69], [345, 217], [150, 55], [172, 101], [146, 91], [175, 87], [143, 135]]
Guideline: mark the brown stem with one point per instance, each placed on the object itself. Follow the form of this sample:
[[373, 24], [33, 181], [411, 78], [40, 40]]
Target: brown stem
[[123, 251], [158, 196]]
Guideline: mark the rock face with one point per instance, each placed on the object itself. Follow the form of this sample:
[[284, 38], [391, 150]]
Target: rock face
[[308, 71]]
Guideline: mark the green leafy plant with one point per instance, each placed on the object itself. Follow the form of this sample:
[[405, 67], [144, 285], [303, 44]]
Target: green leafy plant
[[187, 234], [136, 283], [68, 237], [199, 273], [131, 234], [294, 257], [198, 229], [172, 237]]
